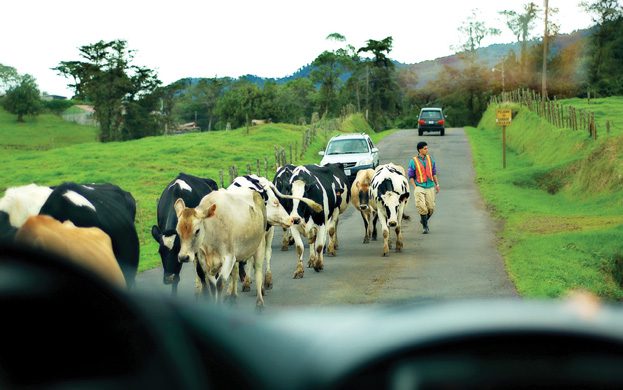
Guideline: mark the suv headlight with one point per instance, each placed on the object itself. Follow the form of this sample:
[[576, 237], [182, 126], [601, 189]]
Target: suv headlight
[[365, 161]]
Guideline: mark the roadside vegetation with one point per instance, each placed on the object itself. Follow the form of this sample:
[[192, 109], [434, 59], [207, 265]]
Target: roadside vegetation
[[559, 201], [48, 151]]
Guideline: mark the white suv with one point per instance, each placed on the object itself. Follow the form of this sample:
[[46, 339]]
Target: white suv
[[354, 151]]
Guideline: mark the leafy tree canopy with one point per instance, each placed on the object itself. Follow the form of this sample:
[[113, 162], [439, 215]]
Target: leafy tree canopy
[[121, 93], [23, 99]]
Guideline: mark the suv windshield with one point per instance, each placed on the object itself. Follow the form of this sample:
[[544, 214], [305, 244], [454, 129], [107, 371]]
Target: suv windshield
[[347, 146], [430, 115]]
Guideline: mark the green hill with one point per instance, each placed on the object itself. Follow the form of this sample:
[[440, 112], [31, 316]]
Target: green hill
[[560, 200]]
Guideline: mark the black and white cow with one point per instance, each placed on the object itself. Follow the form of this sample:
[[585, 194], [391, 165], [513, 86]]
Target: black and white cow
[[19, 203], [105, 206], [324, 185], [191, 189], [282, 183], [390, 191]]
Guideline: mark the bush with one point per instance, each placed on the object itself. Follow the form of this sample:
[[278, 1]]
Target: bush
[[57, 106]]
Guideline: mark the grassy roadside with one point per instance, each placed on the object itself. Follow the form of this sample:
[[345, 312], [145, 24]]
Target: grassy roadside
[[145, 166], [561, 203]]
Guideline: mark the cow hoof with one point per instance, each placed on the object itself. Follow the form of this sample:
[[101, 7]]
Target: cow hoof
[[318, 266], [310, 263], [366, 240], [246, 288], [268, 281], [298, 275], [385, 254]]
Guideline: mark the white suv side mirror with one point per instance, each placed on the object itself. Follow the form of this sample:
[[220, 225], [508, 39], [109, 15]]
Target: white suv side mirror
[[321, 153], [375, 150]]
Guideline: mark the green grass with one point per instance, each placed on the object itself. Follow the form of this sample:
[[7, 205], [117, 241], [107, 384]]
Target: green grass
[[143, 167], [610, 109], [43, 132], [561, 203]]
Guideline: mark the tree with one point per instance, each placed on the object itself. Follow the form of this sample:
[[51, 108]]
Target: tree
[[23, 99], [474, 85], [114, 86], [521, 24], [383, 101], [8, 77], [605, 46]]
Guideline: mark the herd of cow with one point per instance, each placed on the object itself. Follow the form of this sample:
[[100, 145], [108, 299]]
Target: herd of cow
[[223, 232]]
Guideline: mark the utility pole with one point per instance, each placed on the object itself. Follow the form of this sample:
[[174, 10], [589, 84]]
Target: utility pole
[[545, 34]]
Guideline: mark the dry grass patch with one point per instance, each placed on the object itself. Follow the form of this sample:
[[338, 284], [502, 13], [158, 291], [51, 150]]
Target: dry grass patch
[[550, 224]]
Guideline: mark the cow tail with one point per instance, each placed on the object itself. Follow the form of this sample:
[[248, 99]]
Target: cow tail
[[315, 206]]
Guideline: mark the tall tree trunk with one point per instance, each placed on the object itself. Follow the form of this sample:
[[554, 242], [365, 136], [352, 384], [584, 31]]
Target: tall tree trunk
[[544, 75]]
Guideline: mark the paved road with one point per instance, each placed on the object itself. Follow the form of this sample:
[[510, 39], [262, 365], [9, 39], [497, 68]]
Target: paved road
[[458, 259]]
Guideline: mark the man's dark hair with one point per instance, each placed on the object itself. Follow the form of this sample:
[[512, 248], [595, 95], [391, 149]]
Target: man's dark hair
[[420, 145]]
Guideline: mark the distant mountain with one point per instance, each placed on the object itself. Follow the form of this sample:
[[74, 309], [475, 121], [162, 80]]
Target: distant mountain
[[427, 71]]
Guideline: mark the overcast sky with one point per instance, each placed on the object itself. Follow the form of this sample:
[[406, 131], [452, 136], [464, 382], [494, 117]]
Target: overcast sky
[[268, 38]]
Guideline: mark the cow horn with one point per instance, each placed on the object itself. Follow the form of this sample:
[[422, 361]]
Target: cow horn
[[315, 206]]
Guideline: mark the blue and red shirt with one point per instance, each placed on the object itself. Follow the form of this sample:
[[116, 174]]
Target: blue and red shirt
[[422, 170]]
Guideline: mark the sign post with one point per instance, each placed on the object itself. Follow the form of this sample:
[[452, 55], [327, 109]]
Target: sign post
[[503, 117]]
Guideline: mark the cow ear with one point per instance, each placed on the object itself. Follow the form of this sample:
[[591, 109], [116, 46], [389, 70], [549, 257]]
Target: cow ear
[[404, 196], [155, 233], [179, 206], [210, 212]]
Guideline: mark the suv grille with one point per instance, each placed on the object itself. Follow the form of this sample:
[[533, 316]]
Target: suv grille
[[349, 164]]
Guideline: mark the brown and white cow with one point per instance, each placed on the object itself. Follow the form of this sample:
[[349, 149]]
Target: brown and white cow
[[225, 228], [389, 194], [360, 195], [89, 248], [276, 215]]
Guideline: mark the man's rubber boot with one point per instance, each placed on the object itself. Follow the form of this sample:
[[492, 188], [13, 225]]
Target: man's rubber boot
[[424, 221]]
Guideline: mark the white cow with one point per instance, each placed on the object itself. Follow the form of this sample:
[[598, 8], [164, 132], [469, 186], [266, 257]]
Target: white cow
[[226, 227], [276, 215], [390, 191]]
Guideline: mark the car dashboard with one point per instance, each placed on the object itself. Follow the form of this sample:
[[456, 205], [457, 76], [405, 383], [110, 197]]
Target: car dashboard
[[65, 328]]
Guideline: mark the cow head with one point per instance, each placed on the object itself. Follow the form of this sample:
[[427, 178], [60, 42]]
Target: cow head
[[190, 229], [392, 201], [276, 214], [364, 194], [168, 248]]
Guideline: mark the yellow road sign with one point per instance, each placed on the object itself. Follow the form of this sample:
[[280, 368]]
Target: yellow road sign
[[503, 116]]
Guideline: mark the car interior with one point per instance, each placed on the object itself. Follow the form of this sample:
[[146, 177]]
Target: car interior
[[66, 328]]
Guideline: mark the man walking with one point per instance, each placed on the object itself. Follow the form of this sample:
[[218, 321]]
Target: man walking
[[422, 174]]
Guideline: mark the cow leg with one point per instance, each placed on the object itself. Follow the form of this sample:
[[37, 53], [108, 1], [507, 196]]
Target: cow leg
[[312, 234], [383, 222], [336, 244], [268, 279], [298, 242], [287, 239], [258, 263], [246, 283], [399, 242], [366, 224], [232, 290], [374, 218], [319, 245]]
